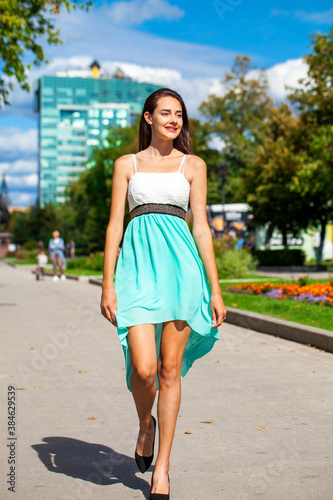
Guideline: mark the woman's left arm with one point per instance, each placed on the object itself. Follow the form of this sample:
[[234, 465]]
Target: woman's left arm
[[203, 236]]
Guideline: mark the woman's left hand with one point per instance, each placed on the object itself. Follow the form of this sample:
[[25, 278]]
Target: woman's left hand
[[219, 312]]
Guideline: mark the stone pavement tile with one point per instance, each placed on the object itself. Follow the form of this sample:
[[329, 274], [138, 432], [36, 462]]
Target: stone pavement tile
[[270, 401]]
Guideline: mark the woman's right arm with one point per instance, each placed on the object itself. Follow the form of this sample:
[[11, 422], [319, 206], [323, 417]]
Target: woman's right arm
[[114, 234]]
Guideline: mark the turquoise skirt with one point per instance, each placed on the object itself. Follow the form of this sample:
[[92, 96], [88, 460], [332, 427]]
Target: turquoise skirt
[[160, 277]]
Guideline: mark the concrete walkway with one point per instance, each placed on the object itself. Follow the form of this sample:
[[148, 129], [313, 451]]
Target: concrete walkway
[[270, 401]]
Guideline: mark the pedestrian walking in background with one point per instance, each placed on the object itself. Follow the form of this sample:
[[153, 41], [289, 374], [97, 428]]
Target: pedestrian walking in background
[[72, 249], [67, 250], [240, 240], [56, 249], [161, 302]]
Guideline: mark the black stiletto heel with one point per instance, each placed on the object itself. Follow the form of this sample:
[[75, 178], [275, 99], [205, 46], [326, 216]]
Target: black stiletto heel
[[145, 462], [159, 496]]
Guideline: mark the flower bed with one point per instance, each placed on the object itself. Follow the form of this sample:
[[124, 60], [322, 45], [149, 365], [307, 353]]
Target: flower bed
[[317, 293]]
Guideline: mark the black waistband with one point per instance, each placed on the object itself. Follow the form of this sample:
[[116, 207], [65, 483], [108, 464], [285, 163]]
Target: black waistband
[[159, 208]]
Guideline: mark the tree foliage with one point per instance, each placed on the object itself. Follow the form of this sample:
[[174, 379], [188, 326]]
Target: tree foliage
[[23, 26], [272, 176], [313, 100], [238, 119]]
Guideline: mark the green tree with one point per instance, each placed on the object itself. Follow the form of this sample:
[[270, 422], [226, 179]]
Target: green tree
[[313, 100], [201, 145], [272, 176], [23, 25], [35, 224], [238, 119], [89, 197]]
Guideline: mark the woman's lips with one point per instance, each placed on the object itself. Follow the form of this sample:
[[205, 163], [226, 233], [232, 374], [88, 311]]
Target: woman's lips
[[171, 129]]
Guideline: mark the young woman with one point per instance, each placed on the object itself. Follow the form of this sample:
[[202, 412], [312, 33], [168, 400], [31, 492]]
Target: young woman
[[166, 314]]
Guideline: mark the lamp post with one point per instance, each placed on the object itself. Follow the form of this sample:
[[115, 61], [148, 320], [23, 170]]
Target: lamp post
[[222, 171]]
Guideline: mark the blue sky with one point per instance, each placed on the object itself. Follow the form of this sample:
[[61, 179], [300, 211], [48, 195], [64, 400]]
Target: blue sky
[[186, 45]]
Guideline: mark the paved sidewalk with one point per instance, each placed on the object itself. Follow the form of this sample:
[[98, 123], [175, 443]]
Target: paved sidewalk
[[270, 400]]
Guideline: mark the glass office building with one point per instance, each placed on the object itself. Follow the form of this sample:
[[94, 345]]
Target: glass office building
[[75, 110]]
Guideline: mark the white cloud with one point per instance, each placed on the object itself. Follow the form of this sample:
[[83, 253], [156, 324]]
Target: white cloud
[[287, 73], [22, 182], [14, 142], [279, 13], [139, 11], [155, 75], [324, 17], [19, 167], [19, 199], [96, 36]]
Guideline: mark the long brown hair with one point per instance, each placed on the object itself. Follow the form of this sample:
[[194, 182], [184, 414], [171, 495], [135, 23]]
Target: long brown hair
[[183, 141]]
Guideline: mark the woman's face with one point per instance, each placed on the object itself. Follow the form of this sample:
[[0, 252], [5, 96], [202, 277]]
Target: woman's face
[[167, 119]]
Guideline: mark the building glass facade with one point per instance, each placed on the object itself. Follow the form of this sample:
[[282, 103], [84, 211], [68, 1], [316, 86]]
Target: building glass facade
[[74, 116]]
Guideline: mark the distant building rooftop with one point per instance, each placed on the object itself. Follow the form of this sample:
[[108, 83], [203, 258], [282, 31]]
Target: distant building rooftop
[[94, 71]]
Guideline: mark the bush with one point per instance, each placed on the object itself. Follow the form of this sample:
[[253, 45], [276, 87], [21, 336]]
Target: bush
[[284, 257], [30, 245], [28, 255], [233, 263], [93, 262]]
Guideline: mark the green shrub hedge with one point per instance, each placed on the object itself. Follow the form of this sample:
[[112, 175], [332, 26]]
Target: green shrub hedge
[[93, 262], [284, 257], [233, 263]]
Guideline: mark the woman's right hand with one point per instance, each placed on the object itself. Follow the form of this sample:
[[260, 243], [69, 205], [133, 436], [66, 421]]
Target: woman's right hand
[[109, 305]]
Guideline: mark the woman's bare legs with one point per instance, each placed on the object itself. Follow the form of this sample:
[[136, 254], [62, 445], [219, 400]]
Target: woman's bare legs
[[174, 339], [141, 341]]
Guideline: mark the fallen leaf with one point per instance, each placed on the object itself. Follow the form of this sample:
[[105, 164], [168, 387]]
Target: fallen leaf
[[207, 421], [187, 432], [234, 305], [211, 435], [37, 386], [82, 371], [92, 418], [20, 388], [217, 361], [298, 305], [70, 364], [263, 427]]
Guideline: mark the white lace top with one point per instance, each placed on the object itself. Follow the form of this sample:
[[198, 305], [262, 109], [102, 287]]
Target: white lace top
[[158, 187]]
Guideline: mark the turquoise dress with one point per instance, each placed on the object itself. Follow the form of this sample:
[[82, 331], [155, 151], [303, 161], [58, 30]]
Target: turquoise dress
[[159, 275]]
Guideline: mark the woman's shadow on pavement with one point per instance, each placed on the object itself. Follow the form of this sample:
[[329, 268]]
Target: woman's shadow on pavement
[[94, 463]]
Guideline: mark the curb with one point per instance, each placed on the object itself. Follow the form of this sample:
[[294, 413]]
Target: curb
[[291, 269], [10, 264], [93, 281], [304, 334]]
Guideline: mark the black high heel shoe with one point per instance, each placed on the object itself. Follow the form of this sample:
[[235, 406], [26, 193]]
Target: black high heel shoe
[[145, 462], [159, 496]]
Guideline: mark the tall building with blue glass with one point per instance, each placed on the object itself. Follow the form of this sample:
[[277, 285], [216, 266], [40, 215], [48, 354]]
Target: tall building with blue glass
[[75, 111]]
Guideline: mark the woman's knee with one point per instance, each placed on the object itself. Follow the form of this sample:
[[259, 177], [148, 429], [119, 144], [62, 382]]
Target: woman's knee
[[144, 375], [169, 372]]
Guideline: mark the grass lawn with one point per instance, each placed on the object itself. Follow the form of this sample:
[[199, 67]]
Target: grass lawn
[[18, 262], [289, 310], [83, 272]]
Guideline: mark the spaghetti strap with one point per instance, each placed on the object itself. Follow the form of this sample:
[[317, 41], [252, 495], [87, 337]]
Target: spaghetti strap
[[134, 159], [181, 163]]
